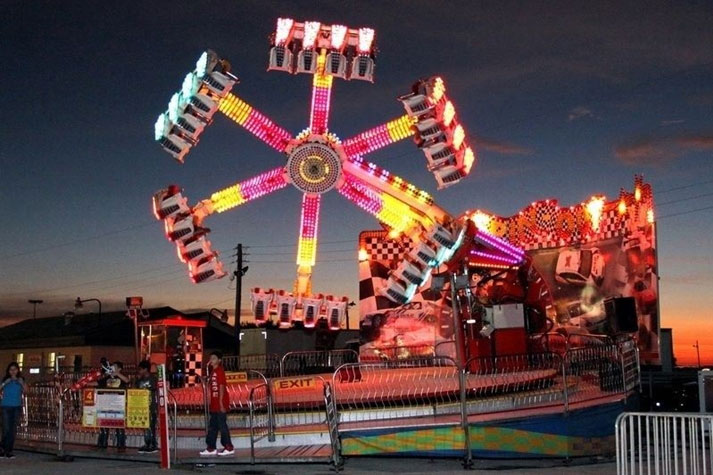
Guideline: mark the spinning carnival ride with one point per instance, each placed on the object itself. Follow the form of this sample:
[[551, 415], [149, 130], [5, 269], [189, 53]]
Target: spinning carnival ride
[[317, 161]]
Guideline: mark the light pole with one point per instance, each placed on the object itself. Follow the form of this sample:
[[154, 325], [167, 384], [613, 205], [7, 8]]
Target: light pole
[[698, 353], [34, 303], [79, 304]]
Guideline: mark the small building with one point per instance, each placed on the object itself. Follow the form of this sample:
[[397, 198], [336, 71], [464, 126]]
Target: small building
[[73, 343]]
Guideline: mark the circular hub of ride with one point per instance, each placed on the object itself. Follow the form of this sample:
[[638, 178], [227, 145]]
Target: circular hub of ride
[[314, 167]]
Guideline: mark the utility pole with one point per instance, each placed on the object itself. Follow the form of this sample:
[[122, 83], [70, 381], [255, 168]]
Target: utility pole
[[240, 271], [698, 353], [34, 303]]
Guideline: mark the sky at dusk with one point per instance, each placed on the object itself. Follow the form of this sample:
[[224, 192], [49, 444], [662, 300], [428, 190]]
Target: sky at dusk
[[562, 99]]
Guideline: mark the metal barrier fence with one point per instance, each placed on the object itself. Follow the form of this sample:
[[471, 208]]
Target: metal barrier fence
[[315, 362], [260, 407], [664, 443], [412, 388], [267, 364], [513, 381], [430, 389], [594, 372], [395, 353], [332, 423]]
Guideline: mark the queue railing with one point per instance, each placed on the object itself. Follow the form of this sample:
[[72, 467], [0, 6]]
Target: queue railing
[[298, 363], [260, 416], [664, 443]]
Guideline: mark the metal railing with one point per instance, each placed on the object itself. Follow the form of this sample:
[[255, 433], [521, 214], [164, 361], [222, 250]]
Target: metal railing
[[413, 388], [267, 364], [332, 423], [513, 381], [395, 353], [430, 389], [174, 421], [259, 404], [315, 362], [664, 443]]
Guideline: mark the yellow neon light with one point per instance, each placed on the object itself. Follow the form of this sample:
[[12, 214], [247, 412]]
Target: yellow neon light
[[363, 255], [594, 207], [320, 79], [400, 128], [226, 199], [235, 108], [481, 220], [306, 251], [395, 214]]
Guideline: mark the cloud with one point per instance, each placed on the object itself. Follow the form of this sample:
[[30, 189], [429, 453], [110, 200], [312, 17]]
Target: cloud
[[579, 113], [503, 148], [658, 150]]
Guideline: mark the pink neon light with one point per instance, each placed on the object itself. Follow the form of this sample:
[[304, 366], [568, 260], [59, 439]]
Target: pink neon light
[[368, 141], [488, 255], [310, 216], [361, 195], [262, 184], [500, 244], [267, 131], [320, 109]]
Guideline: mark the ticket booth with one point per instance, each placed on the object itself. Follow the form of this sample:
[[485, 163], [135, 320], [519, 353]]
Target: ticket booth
[[177, 342]]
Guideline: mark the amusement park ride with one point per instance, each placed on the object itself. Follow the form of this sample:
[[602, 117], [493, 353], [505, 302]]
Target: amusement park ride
[[317, 161]]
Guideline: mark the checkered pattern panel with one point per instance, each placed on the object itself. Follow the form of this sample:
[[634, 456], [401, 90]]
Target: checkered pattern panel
[[380, 248], [384, 255], [194, 368]]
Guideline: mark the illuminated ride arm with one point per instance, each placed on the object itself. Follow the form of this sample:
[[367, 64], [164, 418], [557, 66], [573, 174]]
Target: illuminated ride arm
[[404, 209], [184, 224], [255, 122], [379, 137]]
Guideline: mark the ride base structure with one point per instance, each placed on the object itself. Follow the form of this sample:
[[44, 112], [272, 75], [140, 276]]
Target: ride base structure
[[321, 406]]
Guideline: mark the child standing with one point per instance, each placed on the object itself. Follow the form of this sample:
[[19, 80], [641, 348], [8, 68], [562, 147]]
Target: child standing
[[11, 389], [219, 404]]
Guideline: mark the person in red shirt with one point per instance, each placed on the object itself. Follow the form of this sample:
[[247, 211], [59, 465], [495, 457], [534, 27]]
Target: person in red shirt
[[219, 404]]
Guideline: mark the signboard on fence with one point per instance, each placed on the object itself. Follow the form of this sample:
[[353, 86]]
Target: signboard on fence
[[138, 413], [89, 410], [294, 384], [104, 408], [111, 407], [235, 377]]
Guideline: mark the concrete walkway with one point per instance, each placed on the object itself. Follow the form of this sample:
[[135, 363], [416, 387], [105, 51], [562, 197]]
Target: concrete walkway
[[31, 463]]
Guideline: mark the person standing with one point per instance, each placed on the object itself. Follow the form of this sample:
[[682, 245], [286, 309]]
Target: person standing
[[219, 404], [146, 380], [113, 378], [11, 389]]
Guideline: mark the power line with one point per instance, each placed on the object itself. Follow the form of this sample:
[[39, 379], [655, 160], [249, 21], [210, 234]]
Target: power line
[[76, 241], [662, 192], [684, 212], [681, 200]]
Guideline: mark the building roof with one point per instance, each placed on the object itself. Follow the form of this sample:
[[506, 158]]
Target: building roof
[[88, 329]]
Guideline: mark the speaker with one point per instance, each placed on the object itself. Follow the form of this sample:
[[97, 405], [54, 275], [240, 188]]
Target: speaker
[[621, 314]]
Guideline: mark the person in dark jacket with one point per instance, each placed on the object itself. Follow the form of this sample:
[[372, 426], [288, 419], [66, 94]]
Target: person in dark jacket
[[146, 380]]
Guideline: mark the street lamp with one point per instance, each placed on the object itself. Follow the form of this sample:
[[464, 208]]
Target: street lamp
[[34, 303], [79, 304]]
